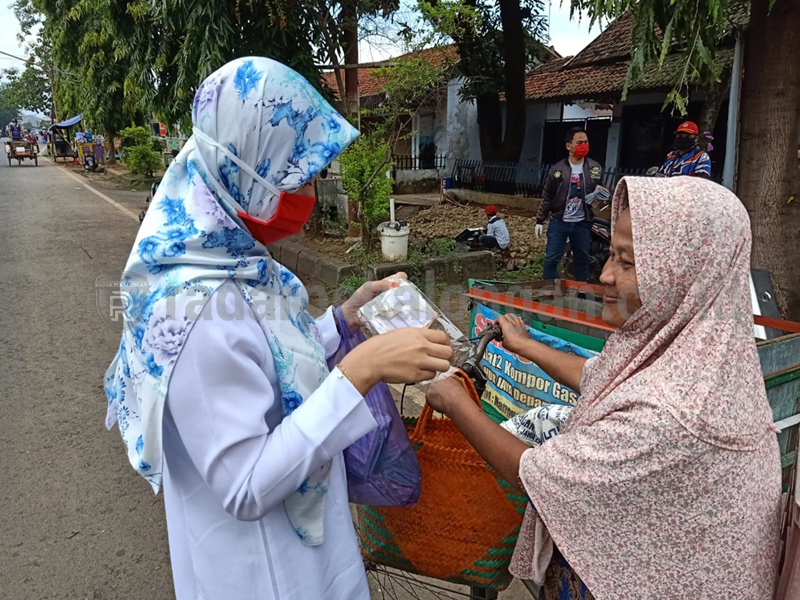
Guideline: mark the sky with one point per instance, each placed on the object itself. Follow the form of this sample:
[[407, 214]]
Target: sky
[[568, 37]]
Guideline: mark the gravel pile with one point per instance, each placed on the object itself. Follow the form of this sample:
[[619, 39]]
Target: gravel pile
[[447, 221]]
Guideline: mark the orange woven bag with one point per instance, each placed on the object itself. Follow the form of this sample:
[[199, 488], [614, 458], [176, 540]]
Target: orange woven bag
[[465, 525]]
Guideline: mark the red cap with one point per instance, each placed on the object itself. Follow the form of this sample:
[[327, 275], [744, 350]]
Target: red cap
[[491, 209], [688, 127]]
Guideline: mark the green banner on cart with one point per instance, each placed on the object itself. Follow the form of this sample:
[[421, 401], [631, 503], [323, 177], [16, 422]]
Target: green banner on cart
[[516, 384]]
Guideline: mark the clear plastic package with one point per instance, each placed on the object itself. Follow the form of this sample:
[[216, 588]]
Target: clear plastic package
[[406, 306]]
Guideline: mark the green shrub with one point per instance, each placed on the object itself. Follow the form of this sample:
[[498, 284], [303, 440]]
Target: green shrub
[[363, 166], [157, 145], [134, 136], [142, 160], [442, 247]]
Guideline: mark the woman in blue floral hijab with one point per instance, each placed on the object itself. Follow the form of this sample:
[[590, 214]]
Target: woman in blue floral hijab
[[220, 386]]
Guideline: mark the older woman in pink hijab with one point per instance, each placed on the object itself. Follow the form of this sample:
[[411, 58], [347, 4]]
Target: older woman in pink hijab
[[665, 481]]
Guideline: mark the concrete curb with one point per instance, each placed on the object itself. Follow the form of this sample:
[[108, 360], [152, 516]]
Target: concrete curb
[[452, 269], [308, 263]]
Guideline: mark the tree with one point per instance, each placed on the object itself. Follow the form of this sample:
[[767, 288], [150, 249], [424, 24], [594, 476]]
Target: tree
[[497, 43], [767, 180], [171, 49], [35, 88], [406, 87], [8, 109], [77, 57], [30, 89]]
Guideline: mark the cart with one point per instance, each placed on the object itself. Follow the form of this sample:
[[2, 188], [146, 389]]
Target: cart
[[59, 138], [19, 150]]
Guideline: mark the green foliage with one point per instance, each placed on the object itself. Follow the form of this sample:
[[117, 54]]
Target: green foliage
[[76, 49], [172, 47], [477, 29], [364, 165], [158, 145], [134, 136], [350, 284], [533, 271], [8, 107], [142, 160], [442, 247], [29, 90]]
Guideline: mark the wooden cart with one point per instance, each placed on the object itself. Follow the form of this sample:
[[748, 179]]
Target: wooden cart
[[20, 150]]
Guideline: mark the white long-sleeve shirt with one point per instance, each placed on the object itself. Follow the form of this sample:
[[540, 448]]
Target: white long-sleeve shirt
[[232, 458]]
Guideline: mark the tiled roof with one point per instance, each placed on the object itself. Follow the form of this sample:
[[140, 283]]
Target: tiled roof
[[613, 43], [598, 71], [577, 82], [370, 83]]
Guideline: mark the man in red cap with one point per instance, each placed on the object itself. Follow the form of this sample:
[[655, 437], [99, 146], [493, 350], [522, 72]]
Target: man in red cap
[[496, 231], [686, 158]]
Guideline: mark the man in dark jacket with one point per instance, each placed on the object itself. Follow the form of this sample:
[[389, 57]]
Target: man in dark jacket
[[568, 184]]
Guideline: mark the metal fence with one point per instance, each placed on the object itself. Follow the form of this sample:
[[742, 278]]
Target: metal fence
[[516, 179], [417, 163]]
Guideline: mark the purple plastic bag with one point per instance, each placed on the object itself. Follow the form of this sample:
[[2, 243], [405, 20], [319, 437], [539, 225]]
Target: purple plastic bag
[[382, 467]]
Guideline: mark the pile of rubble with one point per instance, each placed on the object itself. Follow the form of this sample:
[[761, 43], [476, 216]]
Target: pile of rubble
[[446, 221]]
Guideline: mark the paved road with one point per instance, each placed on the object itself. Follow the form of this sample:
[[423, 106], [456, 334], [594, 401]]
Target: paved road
[[75, 522]]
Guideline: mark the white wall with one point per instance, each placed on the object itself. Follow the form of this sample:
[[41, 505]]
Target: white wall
[[614, 138], [584, 110], [463, 139], [577, 111], [440, 129], [537, 114]]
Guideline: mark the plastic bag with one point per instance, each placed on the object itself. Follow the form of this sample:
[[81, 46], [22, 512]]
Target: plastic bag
[[406, 306], [538, 425], [382, 467]]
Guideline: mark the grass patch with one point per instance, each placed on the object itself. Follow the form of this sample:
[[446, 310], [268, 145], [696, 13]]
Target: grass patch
[[350, 284], [442, 247], [533, 271]]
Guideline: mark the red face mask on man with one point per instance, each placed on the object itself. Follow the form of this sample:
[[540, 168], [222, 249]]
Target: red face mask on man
[[294, 209], [581, 150]]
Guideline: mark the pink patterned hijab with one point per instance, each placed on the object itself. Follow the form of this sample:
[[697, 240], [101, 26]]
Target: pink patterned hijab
[[666, 481]]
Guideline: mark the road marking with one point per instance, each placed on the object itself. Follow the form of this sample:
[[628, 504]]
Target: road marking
[[113, 203]]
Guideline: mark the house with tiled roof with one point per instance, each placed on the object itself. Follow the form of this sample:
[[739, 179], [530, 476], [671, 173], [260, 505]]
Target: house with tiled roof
[[420, 159], [586, 89], [442, 132]]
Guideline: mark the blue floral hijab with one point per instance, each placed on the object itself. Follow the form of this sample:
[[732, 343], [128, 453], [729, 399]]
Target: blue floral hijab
[[253, 116]]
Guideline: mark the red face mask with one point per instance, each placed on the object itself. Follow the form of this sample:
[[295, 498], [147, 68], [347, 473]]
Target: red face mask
[[293, 212], [581, 150]]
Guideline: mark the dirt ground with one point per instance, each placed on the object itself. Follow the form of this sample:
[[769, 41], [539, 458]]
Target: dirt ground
[[444, 222]]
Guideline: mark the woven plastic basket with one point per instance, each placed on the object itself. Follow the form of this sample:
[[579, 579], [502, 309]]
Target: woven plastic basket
[[465, 525]]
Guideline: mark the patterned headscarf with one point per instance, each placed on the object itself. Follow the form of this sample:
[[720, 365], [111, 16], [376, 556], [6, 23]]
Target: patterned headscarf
[[273, 121], [666, 478]]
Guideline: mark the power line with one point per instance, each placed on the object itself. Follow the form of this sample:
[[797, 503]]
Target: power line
[[31, 61], [17, 57]]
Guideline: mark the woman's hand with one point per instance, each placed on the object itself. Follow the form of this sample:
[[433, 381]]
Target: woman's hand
[[407, 355], [447, 395], [515, 334], [364, 294]]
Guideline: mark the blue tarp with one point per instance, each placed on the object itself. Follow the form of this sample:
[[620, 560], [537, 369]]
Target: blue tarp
[[69, 122]]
